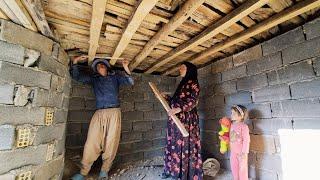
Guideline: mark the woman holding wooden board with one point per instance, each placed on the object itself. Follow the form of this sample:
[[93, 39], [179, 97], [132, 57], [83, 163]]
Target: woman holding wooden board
[[182, 154]]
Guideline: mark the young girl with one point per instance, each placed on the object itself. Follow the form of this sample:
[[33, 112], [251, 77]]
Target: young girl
[[239, 143]]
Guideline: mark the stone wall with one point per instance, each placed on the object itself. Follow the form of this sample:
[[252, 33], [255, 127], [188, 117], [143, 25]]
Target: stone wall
[[143, 118], [278, 81], [34, 90]]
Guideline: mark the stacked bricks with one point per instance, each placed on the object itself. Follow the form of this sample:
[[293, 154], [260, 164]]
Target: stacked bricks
[[144, 120], [278, 81], [34, 96]]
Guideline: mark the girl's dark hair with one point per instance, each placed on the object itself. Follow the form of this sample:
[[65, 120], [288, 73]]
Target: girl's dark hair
[[244, 112]]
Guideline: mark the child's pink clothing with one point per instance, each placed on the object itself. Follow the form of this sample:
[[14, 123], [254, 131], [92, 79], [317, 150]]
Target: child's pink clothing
[[239, 148]]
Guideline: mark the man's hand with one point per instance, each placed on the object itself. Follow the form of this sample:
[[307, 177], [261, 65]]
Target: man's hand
[[174, 111], [125, 64], [76, 59]]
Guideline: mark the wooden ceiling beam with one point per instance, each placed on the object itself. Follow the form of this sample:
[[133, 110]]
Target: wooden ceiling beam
[[188, 8], [139, 14], [287, 14], [15, 10], [216, 28], [35, 10], [98, 11]]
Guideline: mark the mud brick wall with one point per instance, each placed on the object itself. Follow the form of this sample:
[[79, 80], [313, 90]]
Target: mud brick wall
[[278, 81], [34, 82], [143, 118]]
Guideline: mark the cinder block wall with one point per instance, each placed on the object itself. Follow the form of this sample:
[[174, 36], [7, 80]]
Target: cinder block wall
[[143, 118], [278, 81], [34, 84]]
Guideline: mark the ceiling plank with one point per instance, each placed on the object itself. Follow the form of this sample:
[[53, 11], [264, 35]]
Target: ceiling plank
[[3, 15], [35, 9], [187, 10], [139, 14], [18, 14], [98, 11], [216, 28], [287, 14]]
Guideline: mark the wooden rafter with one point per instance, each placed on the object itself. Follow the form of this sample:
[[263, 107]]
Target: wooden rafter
[[3, 15], [187, 9], [15, 10], [216, 28], [98, 11], [141, 11], [36, 12], [293, 11]]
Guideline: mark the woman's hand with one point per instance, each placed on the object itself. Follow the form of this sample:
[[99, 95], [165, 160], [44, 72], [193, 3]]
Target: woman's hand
[[174, 111]]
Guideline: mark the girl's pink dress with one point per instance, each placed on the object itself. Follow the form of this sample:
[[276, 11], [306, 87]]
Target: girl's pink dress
[[239, 148]]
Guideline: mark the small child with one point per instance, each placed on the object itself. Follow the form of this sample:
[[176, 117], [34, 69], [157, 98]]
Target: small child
[[239, 143]]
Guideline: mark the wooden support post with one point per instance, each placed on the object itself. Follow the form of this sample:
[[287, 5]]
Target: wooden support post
[[167, 108]]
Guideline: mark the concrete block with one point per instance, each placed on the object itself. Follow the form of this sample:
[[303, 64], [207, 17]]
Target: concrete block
[[259, 110], [142, 126], [247, 55], [306, 123], [153, 115], [17, 115], [269, 162], [234, 73], [82, 92], [161, 124], [43, 97], [16, 34], [153, 134], [143, 106], [265, 63], [271, 93], [222, 65], [204, 71], [316, 66], [311, 29], [131, 136], [131, 157], [256, 173], [271, 126], [252, 82], [283, 41], [126, 126], [263, 144], [213, 101], [242, 97], [74, 128], [7, 136], [6, 93], [305, 89], [292, 73], [35, 155], [55, 50], [22, 75], [127, 106], [225, 88], [50, 169], [46, 134], [159, 142], [76, 103], [48, 63], [11, 53], [63, 57], [153, 153], [132, 116], [80, 115], [296, 108], [58, 84], [90, 104], [306, 50]]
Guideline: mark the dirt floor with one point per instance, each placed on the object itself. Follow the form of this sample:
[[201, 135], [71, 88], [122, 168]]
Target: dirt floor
[[141, 170]]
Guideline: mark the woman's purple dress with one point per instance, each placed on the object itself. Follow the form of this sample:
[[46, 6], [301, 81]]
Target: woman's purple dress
[[182, 154]]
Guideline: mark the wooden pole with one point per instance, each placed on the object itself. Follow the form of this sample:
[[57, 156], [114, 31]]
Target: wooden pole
[[167, 108]]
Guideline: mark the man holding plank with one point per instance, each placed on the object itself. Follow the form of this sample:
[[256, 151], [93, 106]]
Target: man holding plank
[[105, 126]]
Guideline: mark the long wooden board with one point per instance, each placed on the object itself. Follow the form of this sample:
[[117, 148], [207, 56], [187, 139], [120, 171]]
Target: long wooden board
[[167, 108]]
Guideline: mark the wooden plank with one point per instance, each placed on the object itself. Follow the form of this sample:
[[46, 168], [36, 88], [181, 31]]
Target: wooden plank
[[278, 18], [141, 11], [34, 8], [3, 15], [216, 28], [166, 106], [21, 14], [98, 11], [187, 9], [10, 14]]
